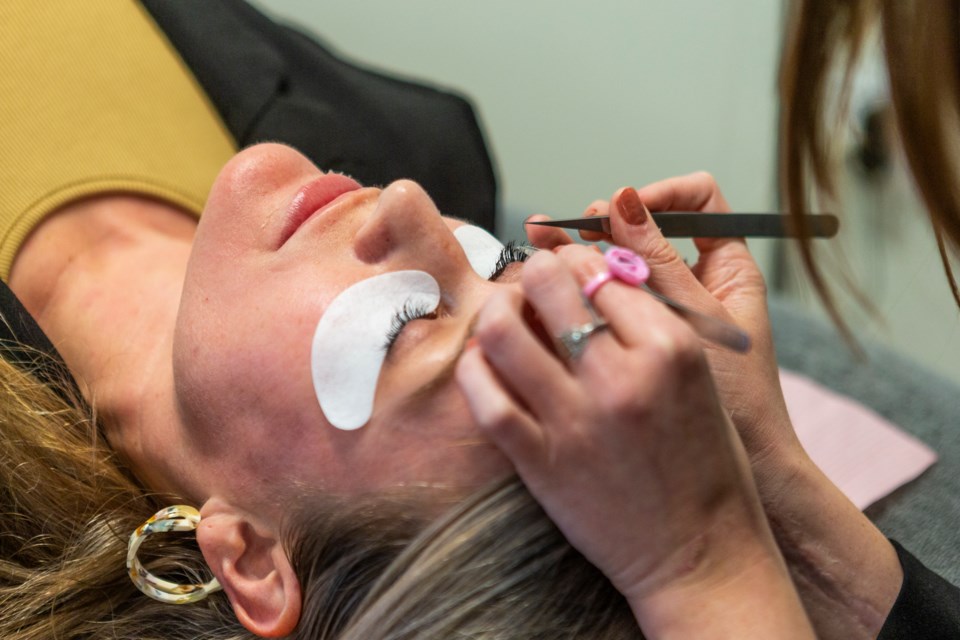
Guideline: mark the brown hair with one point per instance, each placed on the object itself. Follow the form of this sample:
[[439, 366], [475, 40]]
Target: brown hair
[[67, 510], [922, 43], [494, 567]]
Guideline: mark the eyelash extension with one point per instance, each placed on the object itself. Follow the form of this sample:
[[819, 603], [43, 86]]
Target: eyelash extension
[[407, 314], [511, 252]]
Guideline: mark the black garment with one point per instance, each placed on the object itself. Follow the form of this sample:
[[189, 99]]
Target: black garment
[[928, 607], [272, 83], [25, 345]]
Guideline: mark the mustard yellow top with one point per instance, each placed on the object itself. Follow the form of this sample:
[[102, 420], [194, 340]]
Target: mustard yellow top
[[93, 98]]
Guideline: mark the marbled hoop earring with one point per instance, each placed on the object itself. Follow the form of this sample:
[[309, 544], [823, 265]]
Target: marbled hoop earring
[[175, 518]]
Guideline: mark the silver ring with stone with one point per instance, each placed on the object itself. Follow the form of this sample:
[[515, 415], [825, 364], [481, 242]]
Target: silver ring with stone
[[572, 342]]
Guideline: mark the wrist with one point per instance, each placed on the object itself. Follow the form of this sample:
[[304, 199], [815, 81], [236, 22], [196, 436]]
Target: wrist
[[848, 572], [743, 592]]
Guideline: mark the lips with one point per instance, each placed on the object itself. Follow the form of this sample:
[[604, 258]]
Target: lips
[[312, 198]]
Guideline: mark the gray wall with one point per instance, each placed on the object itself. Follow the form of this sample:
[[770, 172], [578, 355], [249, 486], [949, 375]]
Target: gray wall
[[579, 100]]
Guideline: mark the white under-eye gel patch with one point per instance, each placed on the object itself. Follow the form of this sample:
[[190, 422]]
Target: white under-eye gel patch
[[482, 249], [348, 346]]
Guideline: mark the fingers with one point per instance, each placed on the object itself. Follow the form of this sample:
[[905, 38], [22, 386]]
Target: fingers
[[546, 238], [633, 228], [726, 280], [642, 334], [638, 320], [596, 208], [513, 430], [724, 264], [551, 238], [523, 363], [694, 192], [554, 293]]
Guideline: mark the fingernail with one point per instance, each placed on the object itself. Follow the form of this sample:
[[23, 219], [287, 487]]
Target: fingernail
[[592, 211], [630, 206]]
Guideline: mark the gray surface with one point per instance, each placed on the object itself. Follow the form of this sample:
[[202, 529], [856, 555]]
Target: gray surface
[[924, 515]]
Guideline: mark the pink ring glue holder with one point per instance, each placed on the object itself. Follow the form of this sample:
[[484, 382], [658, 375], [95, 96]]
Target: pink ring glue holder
[[623, 265], [629, 268]]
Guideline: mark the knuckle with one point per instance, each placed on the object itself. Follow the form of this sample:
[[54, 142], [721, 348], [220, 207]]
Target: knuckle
[[758, 284], [496, 323], [620, 387], [542, 270], [704, 178], [674, 349], [597, 207], [660, 253], [573, 252], [622, 398], [581, 260]]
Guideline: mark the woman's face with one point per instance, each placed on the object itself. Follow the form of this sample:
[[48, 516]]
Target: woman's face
[[279, 242]]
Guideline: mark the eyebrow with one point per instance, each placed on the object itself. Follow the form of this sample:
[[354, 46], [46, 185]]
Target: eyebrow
[[445, 374]]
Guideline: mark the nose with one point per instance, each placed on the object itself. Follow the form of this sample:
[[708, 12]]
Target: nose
[[407, 230]]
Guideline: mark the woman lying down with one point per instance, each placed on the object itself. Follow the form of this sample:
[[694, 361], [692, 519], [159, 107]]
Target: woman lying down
[[381, 423]]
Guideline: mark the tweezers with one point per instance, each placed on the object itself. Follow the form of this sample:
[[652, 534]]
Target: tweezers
[[695, 224]]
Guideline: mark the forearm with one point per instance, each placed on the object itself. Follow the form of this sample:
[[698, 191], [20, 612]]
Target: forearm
[[846, 571], [750, 596]]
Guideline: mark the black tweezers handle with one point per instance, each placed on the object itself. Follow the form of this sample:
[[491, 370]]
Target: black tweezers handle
[[731, 225]]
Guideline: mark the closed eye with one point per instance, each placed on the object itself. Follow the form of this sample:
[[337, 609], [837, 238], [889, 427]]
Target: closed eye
[[402, 318], [510, 253]]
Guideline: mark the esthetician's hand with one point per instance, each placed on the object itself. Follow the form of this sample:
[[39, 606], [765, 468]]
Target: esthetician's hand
[[847, 571], [725, 283], [629, 451]]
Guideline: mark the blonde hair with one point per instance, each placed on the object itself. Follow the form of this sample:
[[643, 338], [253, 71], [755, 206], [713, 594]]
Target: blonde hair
[[495, 567], [921, 39]]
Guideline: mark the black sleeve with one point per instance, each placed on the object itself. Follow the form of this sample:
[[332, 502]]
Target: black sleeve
[[928, 607]]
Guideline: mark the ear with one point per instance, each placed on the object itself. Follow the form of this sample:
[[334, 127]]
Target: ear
[[251, 564]]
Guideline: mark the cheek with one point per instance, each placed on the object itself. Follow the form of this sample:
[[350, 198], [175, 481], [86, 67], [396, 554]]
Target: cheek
[[436, 443], [238, 365]]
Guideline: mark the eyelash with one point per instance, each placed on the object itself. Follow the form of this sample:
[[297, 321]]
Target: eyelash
[[408, 313], [511, 252]]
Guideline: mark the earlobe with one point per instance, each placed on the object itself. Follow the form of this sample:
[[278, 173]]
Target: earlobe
[[251, 564]]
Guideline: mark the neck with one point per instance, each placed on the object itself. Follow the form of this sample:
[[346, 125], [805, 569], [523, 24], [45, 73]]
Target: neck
[[103, 279]]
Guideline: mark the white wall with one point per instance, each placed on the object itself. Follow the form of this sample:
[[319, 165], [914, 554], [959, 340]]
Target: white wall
[[579, 100]]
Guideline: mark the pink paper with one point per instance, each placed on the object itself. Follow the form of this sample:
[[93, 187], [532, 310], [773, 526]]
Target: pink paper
[[864, 454]]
